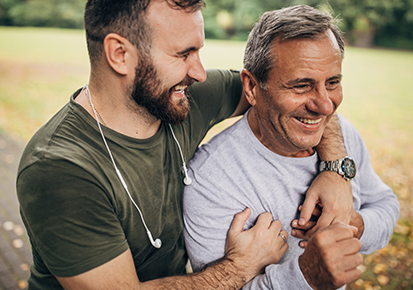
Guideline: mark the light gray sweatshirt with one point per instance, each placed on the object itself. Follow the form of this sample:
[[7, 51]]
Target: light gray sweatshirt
[[235, 170]]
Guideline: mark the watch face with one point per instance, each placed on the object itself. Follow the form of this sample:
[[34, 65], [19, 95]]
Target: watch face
[[349, 168]]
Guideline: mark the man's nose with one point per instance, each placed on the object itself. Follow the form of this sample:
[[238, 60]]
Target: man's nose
[[321, 102], [196, 70]]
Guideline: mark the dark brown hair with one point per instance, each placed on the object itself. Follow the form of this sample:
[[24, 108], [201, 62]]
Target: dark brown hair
[[126, 18]]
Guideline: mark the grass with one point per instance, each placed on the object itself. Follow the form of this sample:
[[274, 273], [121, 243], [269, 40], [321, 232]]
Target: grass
[[41, 68]]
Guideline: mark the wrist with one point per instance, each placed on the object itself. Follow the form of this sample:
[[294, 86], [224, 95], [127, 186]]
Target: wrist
[[235, 271], [357, 221], [307, 270], [345, 167]]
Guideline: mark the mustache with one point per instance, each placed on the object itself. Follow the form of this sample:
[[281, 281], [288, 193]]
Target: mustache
[[187, 81]]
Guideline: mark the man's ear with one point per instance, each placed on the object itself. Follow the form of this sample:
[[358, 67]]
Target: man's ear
[[251, 85], [119, 53]]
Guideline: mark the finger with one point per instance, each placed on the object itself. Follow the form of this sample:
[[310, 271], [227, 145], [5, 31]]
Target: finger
[[350, 246], [325, 220], [307, 209], [239, 221], [299, 234], [350, 262], [316, 212], [339, 232], [347, 232], [284, 247], [353, 275], [307, 226], [303, 244], [283, 235], [264, 220]]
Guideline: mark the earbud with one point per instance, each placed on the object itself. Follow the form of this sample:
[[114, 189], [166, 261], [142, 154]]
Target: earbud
[[187, 180], [157, 243]]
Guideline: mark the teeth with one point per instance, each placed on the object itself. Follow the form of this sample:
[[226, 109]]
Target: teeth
[[308, 121], [180, 88]]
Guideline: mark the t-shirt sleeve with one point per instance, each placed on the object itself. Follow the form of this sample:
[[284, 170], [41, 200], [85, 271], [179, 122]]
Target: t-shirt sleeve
[[69, 217], [217, 97]]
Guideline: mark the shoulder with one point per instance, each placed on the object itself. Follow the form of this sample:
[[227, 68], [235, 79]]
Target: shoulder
[[221, 147], [65, 137], [352, 138], [216, 78]]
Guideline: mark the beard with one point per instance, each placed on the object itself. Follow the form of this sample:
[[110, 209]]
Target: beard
[[149, 93]]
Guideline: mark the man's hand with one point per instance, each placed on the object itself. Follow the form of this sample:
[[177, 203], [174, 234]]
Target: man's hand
[[333, 194], [257, 247], [331, 257]]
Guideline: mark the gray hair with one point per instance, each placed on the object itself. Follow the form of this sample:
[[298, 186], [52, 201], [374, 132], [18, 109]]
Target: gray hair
[[300, 21]]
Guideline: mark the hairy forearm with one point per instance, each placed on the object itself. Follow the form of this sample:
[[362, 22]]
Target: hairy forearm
[[331, 146], [223, 275]]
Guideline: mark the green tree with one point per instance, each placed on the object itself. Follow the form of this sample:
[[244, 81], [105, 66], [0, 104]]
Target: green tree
[[52, 13], [5, 7]]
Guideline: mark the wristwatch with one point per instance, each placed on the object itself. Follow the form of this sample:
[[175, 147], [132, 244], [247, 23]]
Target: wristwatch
[[346, 167]]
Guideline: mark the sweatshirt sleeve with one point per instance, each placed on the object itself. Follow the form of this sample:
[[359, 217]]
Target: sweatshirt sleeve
[[279, 277], [373, 199]]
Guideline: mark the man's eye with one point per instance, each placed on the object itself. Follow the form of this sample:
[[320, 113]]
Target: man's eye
[[302, 88], [331, 85], [185, 56]]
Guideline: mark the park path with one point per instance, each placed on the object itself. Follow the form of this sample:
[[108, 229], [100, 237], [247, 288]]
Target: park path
[[15, 253]]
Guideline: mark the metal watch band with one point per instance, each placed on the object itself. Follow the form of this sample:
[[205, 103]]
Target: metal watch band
[[340, 166]]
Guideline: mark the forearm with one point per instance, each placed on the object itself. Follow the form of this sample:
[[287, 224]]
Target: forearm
[[379, 223], [223, 275], [331, 146], [280, 277]]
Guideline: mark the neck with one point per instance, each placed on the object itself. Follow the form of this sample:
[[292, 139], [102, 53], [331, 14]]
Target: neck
[[117, 111]]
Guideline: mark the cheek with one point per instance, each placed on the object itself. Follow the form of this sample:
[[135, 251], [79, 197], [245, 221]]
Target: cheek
[[337, 97]]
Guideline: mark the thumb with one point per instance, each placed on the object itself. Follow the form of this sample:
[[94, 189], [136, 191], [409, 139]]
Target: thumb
[[354, 229], [239, 221], [307, 209]]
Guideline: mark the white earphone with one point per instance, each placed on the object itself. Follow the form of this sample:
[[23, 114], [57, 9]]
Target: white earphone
[[187, 180]]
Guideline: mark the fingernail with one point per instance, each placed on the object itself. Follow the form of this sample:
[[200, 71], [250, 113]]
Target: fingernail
[[301, 222], [293, 232]]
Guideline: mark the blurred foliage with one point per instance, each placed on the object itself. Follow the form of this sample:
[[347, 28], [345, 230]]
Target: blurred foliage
[[42, 13], [41, 67], [366, 22]]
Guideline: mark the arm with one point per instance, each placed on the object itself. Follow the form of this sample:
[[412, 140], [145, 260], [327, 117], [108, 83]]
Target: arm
[[243, 260], [242, 107], [329, 190], [373, 200]]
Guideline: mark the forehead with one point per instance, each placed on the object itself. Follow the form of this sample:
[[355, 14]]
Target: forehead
[[175, 25], [304, 55]]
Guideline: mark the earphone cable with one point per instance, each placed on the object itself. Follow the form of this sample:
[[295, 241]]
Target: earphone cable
[[113, 161]]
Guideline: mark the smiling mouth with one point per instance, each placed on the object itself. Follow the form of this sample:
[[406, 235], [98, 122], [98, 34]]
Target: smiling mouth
[[309, 121], [180, 89]]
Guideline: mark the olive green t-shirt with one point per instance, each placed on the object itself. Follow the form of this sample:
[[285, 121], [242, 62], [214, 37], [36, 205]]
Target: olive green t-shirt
[[78, 215]]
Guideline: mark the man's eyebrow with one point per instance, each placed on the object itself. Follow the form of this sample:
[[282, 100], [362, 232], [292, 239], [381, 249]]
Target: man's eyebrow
[[299, 81], [309, 80], [336, 77], [189, 49]]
